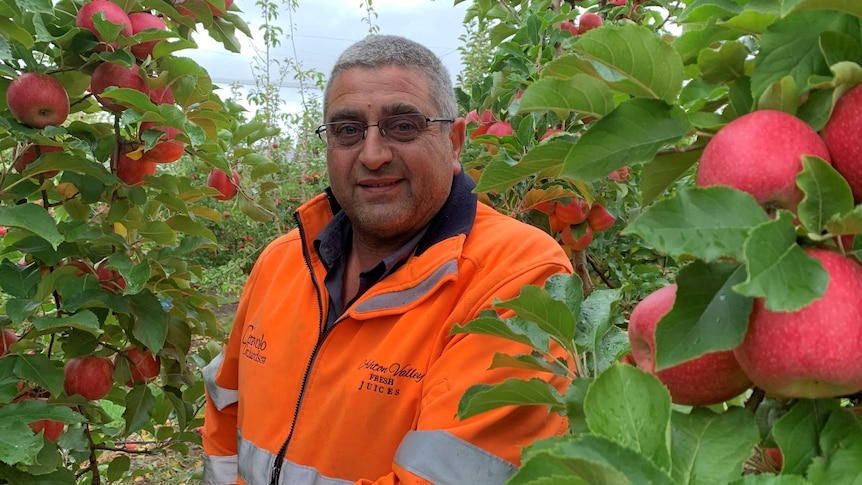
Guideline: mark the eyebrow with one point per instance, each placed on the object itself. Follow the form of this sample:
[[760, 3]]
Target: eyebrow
[[348, 114]]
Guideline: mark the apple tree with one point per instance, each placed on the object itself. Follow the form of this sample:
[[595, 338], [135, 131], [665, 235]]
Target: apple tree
[[104, 328], [721, 142]]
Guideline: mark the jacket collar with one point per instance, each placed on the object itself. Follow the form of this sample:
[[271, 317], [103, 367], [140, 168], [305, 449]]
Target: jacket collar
[[454, 218]]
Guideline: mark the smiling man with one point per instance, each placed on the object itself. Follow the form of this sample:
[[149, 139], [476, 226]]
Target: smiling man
[[341, 367]]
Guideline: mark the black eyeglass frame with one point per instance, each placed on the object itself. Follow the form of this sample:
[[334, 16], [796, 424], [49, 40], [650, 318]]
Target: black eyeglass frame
[[322, 129]]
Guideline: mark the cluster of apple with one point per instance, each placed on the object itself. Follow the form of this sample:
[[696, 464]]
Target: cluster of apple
[[576, 220], [89, 376], [39, 100], [813, 352], [586, 21]]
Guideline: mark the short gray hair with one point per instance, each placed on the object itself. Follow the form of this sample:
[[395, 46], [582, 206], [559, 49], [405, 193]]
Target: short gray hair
[[392, 50]]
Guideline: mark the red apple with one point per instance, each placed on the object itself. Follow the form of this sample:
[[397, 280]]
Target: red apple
[[162, 95], [219, 181], [113, 13], [37, 100], [7, 338], [108, 74], [550, 132], [498, 129], [556, 223], [573, 212], [89, 376], [52, 429], [142, 21], [579, 244], [813, 352], [32, 153], [110, 279], [168, 150], [619, 175], [588, 21], [709, 379], [546, 206], [132, 171], [775, 457], [599, 218], [571, 27], [761, 153], [485, 120], [3, 230], [144, 366], [842, 134]]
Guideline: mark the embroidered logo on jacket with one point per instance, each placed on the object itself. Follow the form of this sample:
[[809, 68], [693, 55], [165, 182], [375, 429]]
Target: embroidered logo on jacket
[[387, 378], [253, 347]]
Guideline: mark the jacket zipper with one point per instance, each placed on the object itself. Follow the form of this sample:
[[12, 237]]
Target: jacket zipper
[[276, 466]]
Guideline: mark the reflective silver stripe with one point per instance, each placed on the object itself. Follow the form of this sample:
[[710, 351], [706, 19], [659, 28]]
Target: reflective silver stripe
[[220, 396], [219, 470], [255, 467], [399, 299], [445, 459]]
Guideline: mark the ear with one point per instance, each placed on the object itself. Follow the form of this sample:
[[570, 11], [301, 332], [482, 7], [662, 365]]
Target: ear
[[457, 135]]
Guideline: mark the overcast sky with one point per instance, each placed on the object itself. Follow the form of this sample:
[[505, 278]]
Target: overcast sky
[[324, 28]]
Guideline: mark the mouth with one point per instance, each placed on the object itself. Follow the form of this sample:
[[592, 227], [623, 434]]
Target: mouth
[[379, 183]]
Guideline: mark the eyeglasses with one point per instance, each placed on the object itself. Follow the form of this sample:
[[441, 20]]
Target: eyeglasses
[[402, 128]]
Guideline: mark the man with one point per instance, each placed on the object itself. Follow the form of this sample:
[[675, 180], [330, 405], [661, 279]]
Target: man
[[341, 368]]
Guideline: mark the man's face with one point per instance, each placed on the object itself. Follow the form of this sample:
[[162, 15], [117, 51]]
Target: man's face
[[390, 189]]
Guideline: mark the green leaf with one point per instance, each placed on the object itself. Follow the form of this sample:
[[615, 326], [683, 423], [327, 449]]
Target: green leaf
[[140, 404], [596, 320], [707, 315], [31, 218], [187, 225], [514, 329], [533, 362], [632, 59], [850, 223], [710, 448], [83, 320], [778, 268], [723, 64], [797, 432], [150, 320], [768, 479], [16, 280], [827, 194], [31, 410], [481, 398], [254, 211], [118, 466], [666, 168], [841, 466], [595, 459], [41, 370], [18, 444], [780, 96], [852, 7], [631, 133], [500, 175], [791, 46], [550, 314], [158, 232], [696, 222], [581, 94], [631, 408]]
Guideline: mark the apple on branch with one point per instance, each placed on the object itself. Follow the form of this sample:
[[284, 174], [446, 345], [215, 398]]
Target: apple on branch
[[38, 100], [227, 187], [143, 364], [89, 376], [132, 171], [842, 134], [31, 154], [7, 338], [140, 22], [108, 74], [813, 352], [112, 12], [761, 153], [709, 379], [168, 150]]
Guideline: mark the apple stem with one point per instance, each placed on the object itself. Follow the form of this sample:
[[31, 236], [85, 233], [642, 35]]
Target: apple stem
[[753, 401]]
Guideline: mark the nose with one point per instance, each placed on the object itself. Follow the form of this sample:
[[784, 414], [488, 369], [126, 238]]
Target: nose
[[375, 151]]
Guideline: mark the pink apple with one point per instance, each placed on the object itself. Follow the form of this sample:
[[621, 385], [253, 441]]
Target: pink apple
[[571, 27], [108, 74], [31, 154], [761, 153], [842, 134], [7, 338], [709, 379], [599, 218], [142, 21], [162, 95], [813, 352], [113, 13], [143, 365], [89, 376], [573, 212], [550, 132], [37, 100], [220, 181], [579, 244], [588, 21], [167, 150]]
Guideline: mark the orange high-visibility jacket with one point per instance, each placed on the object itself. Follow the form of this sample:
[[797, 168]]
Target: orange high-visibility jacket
[[374, 399]]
